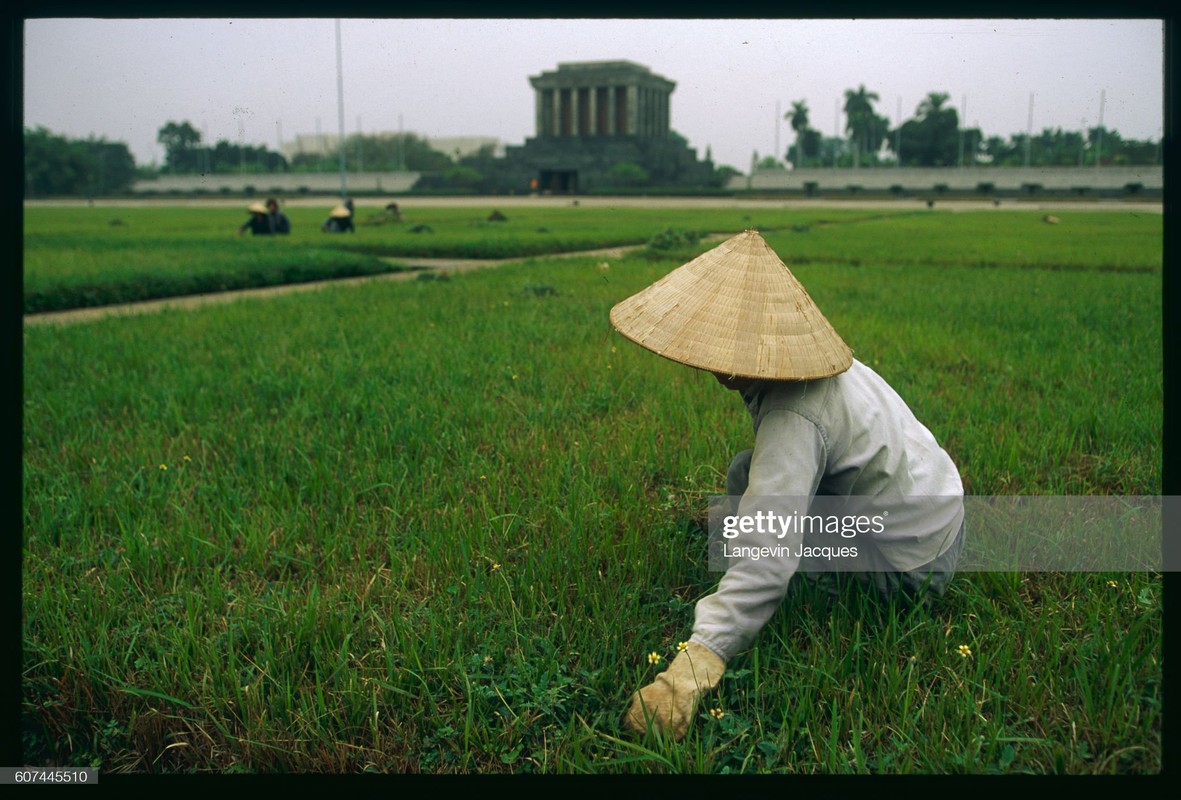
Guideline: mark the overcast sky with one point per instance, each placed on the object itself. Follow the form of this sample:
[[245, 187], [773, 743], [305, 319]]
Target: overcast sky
[[254, 81]]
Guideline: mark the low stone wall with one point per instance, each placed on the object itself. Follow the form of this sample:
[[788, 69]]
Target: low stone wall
[[286, 183], [965, 179], [878, 179]]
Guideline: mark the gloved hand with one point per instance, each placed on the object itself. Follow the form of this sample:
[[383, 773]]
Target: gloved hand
[[668, 703]]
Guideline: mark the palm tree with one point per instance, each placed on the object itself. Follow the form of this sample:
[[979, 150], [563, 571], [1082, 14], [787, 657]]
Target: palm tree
[[798, 116], [860, 118], [936, 130], [932, 104]]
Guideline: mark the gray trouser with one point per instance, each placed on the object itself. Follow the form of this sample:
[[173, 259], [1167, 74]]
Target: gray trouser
[[932, 578]]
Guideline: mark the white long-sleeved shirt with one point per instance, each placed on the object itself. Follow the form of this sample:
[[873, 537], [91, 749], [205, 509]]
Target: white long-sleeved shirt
[[850, 435]]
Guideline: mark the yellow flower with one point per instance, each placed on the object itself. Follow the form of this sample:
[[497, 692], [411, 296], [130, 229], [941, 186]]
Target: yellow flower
[[682, 646], [483, 477], [163, 467], [654, 658], [965, 651], [1112, 584], [495, 566], [717, 713], [188, 459]]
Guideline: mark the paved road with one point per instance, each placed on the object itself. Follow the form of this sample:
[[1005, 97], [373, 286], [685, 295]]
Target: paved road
[[552, 201]]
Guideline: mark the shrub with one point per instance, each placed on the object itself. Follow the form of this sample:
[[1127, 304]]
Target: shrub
[[673, 239], [626, 173]]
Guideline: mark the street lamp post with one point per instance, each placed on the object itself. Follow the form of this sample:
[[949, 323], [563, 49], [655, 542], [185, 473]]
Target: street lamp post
[[340, 112], [1099, 130]]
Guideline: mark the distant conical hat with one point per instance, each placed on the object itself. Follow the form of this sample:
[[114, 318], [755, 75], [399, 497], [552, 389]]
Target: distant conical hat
[[257, 208], [735, 310], [340, 212]]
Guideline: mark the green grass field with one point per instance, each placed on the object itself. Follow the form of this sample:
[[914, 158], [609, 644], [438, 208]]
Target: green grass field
[[93, 256], [438, 526]]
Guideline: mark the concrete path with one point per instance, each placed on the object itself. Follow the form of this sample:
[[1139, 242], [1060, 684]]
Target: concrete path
[[413, 268]]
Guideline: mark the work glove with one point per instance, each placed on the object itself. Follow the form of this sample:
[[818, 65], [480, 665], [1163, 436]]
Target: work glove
[[669, 702]]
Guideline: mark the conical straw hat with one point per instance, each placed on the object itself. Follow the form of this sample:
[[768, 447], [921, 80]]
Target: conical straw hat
[[340, 212], [257, 208], [735, 310]]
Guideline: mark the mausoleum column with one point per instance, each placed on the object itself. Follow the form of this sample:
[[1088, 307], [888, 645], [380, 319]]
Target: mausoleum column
[[633, 109]]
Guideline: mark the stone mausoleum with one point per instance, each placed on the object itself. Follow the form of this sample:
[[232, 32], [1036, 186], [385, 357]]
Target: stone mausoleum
[[592, 115]]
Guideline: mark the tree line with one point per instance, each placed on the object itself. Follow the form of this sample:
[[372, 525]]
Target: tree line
[[55, 165], [934, 137]]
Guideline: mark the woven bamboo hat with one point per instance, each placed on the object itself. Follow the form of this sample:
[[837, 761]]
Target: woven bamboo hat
[[257, 208], [340, 212], [735, 310]]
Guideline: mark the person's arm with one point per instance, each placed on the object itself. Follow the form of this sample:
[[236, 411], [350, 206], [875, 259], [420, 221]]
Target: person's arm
[[787, 463], [785, 471]]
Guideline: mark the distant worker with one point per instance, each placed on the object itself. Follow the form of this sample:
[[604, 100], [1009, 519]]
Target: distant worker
[[260, 223], [279, 221], [340, 219]]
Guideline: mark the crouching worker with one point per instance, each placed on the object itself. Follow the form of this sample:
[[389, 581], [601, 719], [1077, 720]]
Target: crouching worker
[[261, 223], [280, 223], [826, 427], [340, 219]]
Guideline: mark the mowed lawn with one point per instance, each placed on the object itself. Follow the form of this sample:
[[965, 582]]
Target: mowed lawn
[[439, 525]]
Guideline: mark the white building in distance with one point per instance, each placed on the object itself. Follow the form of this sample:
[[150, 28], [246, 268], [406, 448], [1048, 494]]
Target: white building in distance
[[326, 144]]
